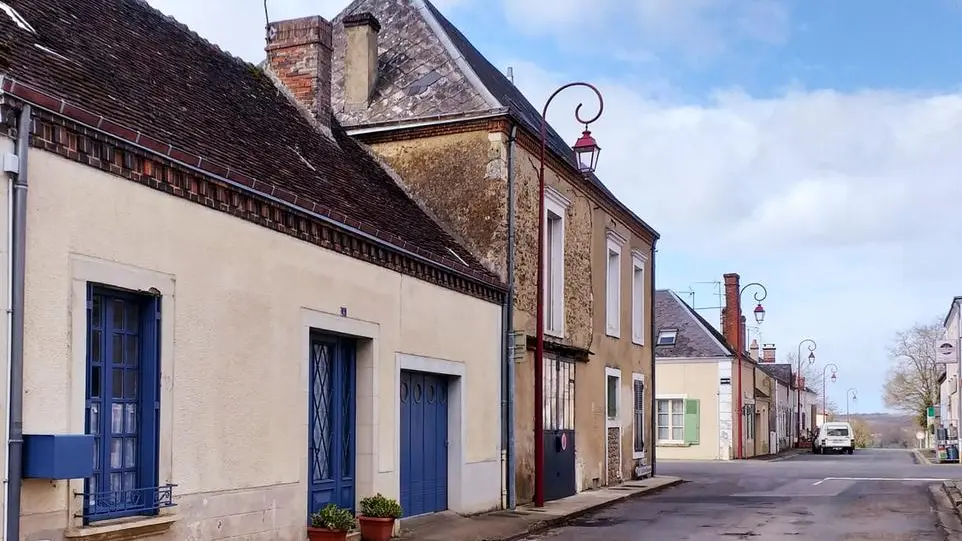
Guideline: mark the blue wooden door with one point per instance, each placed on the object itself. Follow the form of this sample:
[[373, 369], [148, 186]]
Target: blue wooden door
[[424, 443], [331, 421]]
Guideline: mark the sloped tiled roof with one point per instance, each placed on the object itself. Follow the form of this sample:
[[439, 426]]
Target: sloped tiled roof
[[696, 337], [132, 64], [781, 372], [418, 49]]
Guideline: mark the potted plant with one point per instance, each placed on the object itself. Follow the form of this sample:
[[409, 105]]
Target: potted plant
[[331, 524], [377, 517]]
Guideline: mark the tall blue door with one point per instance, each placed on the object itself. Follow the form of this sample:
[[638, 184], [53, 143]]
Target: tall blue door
[[424, 443], [331, 422]]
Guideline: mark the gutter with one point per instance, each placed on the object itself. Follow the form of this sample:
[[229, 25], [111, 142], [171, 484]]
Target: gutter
[[17, 266], [425, 122]]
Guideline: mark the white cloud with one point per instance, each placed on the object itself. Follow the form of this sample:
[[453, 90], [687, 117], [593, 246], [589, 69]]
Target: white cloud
[[808, 169], [697, 28]]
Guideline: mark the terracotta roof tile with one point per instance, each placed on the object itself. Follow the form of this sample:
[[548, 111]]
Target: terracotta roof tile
[[132, 64]]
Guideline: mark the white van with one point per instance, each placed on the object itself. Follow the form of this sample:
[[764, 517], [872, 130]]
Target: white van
[[834, 436]]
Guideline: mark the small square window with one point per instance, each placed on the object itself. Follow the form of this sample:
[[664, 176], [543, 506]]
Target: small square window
[[667, 337]]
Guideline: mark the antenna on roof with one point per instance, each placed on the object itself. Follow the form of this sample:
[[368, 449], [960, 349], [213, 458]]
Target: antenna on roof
[[510, 73]]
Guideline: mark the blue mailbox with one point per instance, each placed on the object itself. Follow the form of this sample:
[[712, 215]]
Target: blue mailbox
[[58, 456]]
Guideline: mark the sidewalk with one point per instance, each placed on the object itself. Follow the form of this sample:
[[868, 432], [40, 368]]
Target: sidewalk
[[510, 525], [924, 458], [782, 455]]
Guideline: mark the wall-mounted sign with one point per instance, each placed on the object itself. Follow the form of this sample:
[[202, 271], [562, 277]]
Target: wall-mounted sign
[[726, 381], [946, 351]]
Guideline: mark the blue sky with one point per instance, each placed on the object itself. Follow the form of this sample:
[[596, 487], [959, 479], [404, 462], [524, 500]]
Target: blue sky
[[814, 146]]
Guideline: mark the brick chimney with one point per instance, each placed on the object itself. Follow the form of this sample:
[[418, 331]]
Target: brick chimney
[[299, 57], [360, 59], [731, 313], [753, 349], [768, 353]]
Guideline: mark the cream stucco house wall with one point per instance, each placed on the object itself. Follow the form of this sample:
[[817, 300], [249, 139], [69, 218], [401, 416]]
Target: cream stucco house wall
[[694, 390], [236, 344]]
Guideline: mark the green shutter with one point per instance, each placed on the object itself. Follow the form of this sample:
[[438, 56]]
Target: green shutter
[[692, 421]]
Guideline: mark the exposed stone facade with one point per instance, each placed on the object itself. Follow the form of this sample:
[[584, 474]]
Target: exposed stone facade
[[614, 456]]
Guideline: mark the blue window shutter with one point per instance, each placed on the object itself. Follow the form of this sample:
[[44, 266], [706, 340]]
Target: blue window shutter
[[150, 397]]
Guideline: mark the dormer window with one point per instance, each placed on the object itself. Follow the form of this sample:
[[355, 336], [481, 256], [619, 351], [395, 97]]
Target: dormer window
[[666, 337]]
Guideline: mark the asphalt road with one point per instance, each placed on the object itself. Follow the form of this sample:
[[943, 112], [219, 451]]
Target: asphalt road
[[871, 495]]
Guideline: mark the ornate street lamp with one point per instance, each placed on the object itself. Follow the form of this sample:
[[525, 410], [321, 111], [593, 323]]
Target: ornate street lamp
[[834, 379], [853, 392], [740, 347], [798, 385], [586, 151]]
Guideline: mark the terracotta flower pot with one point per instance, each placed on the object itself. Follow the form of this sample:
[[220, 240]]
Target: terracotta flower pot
[[323, 534], [376, 529]]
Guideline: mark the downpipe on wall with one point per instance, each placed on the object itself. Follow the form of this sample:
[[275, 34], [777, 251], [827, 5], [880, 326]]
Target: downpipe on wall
[[7, 353], [16, 226], [509, 466], [653, 429]]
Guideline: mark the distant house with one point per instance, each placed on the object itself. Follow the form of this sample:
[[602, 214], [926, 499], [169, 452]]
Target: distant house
[[948, 379], [695, 387], [226, 312], [783, 402], [466, 143]]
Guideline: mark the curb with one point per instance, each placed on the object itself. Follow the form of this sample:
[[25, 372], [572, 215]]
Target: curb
[[554, 522], [920, 458], [952, 491]]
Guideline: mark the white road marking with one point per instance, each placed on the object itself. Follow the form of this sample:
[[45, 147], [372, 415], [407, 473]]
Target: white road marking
[[929, 479]]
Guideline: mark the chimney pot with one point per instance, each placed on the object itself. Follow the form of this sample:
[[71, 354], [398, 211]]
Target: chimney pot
[[299, 56], [360, 59]]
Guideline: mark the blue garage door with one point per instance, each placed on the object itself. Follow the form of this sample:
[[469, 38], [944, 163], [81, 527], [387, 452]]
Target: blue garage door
[[424, 443], [331, 422]]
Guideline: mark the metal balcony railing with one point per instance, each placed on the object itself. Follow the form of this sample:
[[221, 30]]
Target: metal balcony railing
[[125, 503]]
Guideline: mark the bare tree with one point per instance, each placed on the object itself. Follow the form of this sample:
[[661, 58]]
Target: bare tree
[[911, 385]]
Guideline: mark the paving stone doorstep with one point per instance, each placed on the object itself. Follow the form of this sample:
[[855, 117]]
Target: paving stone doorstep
[[506, 525]]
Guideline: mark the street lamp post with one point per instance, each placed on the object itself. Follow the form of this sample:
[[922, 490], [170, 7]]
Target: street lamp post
[[798, 385], [740, 347], [586, 151], [853, 392], [834, 378]]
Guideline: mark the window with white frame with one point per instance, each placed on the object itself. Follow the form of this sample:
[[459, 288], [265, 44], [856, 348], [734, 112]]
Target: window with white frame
[[671, 420], [556, 206], [638, 419], [613, 284], [638, 298], [612, 395]]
